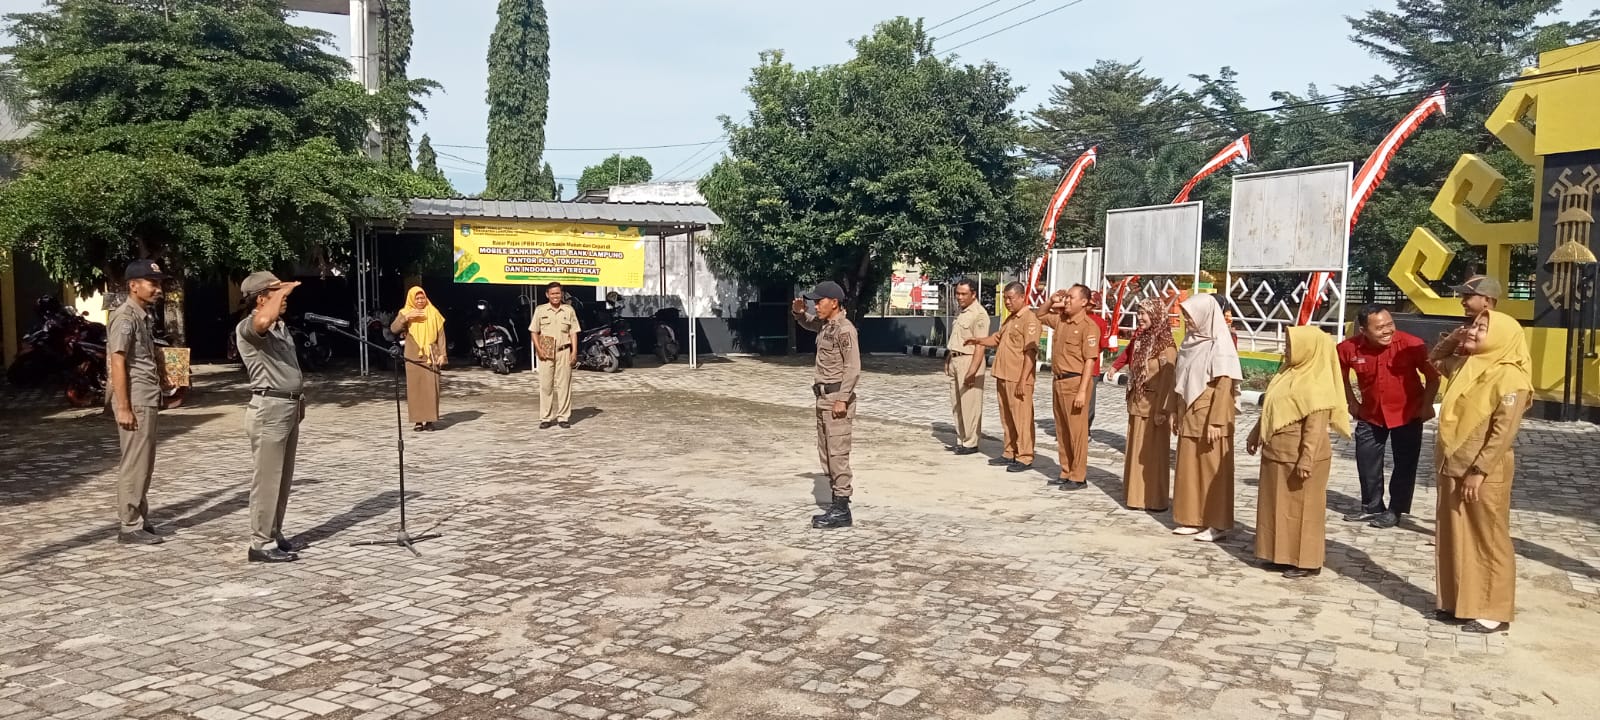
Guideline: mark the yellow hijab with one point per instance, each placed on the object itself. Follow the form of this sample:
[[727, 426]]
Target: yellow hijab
[[1500, 367], [423, 333], [1308, 382]]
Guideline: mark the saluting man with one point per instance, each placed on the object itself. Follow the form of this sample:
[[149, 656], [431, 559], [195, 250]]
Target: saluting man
[[838, 368]]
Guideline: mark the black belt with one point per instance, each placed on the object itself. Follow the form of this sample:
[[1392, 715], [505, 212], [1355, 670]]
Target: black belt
[[959, 354], [821, 389], [279, 394], [1068, 375]]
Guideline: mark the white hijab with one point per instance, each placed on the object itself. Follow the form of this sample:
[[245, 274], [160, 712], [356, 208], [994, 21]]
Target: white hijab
[[1207, 351]]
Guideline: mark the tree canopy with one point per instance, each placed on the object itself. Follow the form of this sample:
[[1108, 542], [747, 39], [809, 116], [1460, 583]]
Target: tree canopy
[[897, 154], [428, 169], [519, 102], [616, 170], [212, 134]]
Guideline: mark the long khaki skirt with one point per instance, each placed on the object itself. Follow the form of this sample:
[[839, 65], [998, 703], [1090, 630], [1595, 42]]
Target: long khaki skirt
[[1202, 494], [1291, 515], [1147, 464]]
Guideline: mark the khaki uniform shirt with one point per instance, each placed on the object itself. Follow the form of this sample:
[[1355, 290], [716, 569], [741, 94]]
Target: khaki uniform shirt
[[1018, 351], [1490, 444], [559, 323], [1213, 407], [1076, 344], [838, 355], [1158, 396], [971, 324], [132, 333], [269, 359], [1302, 444]]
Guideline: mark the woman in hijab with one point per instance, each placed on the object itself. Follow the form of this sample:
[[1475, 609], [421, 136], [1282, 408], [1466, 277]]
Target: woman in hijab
[[423, 328], [1147, 464], [1208, 376], [1302, 401], [1490, 388]]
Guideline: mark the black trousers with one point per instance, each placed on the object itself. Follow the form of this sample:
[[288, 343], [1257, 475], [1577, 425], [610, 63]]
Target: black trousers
[[1370, 440]]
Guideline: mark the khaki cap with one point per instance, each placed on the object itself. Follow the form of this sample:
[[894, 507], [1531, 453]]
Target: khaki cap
[[1480, 285]]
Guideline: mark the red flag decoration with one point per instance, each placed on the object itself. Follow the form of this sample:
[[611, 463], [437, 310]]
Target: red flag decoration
[[1058, 202], [1366, 181], [1236, 151], [1116, 310]]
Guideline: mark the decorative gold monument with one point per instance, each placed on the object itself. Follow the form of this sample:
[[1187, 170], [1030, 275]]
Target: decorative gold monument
[[1563, 148]]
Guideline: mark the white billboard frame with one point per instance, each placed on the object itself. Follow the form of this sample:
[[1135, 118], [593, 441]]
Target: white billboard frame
[[1108, 297], [1094, 261], [1342, 268], [1132, 269]]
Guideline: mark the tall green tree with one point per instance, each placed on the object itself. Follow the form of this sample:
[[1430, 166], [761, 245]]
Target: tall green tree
[[394, 48], [519, 101], [615, 170], [547, 177], [896, 154], [211, 134], [428, 169]]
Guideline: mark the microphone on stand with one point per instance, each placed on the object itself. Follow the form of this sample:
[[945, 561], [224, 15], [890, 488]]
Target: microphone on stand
[[325, 320]]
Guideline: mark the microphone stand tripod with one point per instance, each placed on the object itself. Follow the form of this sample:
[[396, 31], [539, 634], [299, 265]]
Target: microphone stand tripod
[[404, 538]]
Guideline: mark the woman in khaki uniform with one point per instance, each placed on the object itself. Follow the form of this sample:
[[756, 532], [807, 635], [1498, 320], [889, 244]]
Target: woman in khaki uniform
[[1208, 376], [1147, 463], [423, 328], [1303, 400], [1490, 388]]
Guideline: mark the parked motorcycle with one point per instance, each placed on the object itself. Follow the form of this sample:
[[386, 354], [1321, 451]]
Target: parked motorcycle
[[494, 342], [666, 336], [66, 348], [378, 322]]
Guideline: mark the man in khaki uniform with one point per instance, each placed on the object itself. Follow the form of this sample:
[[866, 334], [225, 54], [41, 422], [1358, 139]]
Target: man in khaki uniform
[[964, 365], [1015, 363], [838, 369], [555, 340], [277, 406], [138, 379], [1073, 353]]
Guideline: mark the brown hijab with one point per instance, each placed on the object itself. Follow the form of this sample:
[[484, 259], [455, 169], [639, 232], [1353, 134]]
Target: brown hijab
[[1150, 340]]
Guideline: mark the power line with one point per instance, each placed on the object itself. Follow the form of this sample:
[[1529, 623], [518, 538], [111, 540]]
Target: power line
[[970, 26], [962, 15], [1051, 11], [590, 149], [690, 159]]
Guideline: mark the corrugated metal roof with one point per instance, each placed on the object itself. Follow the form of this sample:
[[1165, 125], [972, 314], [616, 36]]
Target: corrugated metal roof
[[610, 213]]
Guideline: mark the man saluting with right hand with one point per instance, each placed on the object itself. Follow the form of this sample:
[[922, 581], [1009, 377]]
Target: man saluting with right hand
[[838, 369]]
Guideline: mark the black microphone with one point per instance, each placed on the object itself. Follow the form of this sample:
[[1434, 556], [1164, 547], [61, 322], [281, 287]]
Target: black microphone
[[325, 320]]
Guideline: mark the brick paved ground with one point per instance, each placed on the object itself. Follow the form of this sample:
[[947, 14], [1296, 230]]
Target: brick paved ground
[[655, 562]]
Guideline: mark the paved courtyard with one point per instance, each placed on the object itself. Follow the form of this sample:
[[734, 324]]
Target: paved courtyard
[[655, 561]]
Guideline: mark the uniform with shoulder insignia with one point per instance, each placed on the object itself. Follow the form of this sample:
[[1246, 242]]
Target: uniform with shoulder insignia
[[838, 369]]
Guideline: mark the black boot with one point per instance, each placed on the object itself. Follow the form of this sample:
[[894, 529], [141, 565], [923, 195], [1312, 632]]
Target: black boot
[[837, 516]]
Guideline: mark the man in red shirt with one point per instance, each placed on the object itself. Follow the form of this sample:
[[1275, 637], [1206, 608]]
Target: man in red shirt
[[1390, 366], [1096, 302]]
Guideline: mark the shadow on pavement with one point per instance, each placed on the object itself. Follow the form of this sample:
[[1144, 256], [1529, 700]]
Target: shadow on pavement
[[47, 457]]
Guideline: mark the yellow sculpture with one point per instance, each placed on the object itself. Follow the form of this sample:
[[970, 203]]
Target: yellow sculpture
[[1564, 94]]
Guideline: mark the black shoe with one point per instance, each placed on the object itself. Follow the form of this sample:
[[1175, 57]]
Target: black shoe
[[837, 516], [1017, 467], [1472, 626], [1445, 616], [139, 537], [565, 425], [271, 555], [1056, 481], [1362, 516], [1385, 521], [1074, 485], [428, 427], [1001, 461], [158, 531], [290, 546], [965, 451], [545, 425], [416, 428], [1297, 573]]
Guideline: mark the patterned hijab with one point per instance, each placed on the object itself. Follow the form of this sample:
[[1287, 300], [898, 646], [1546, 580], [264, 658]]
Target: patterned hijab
[[1150, 340]]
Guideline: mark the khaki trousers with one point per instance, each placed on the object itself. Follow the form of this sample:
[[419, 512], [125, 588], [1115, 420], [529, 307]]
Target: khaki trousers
[[273, 425], [134, 471], [966, 402], [833, 445], [1016, 416], [555, 387], [1072, 429]]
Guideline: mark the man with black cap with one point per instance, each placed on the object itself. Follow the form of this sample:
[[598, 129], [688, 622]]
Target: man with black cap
[[838, 368], [277, 406], [1479, 294], [138, 381]]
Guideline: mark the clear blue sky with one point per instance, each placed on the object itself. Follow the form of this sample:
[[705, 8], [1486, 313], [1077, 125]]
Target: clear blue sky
[[659, 72]]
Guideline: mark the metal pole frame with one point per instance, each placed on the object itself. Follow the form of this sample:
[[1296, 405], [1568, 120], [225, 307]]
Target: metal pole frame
[[362, 262], [694, 320]]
